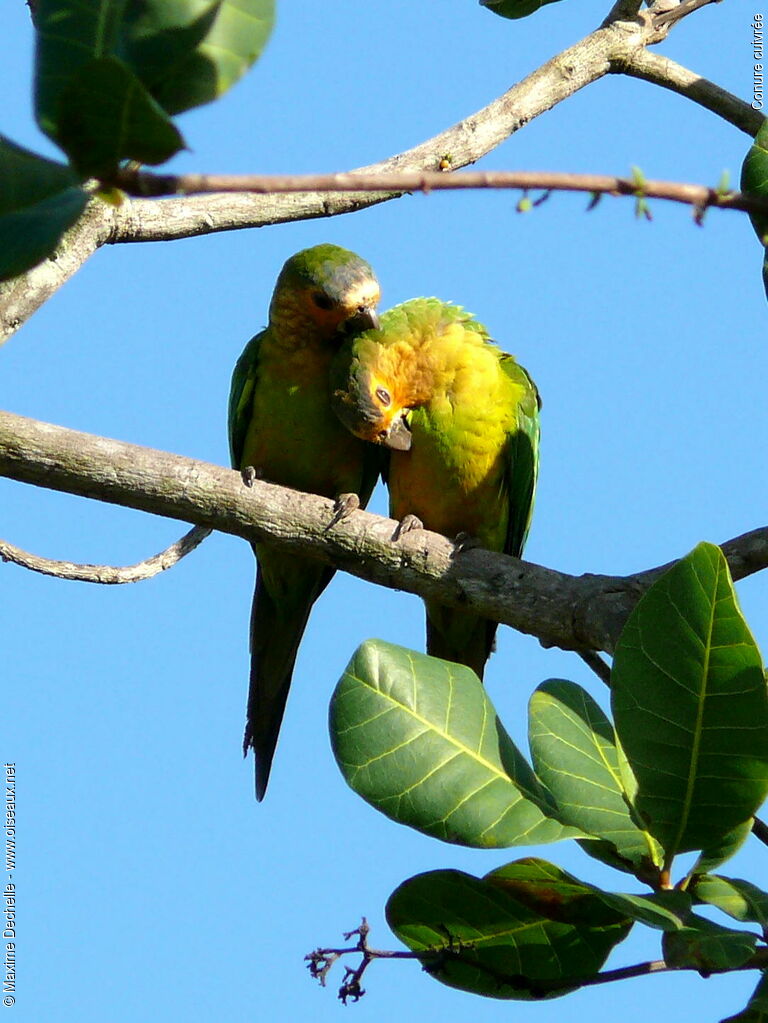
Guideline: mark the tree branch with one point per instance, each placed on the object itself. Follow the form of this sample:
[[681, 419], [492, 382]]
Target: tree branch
[[681, 10], [597, 664], [107, 574], [465, 142], [701, 197], [660, 70], [321, 960], [572, 612], [614, 47], [23, 295]]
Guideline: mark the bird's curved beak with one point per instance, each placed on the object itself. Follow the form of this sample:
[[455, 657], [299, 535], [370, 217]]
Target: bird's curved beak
[[398, 436], [365, 318]]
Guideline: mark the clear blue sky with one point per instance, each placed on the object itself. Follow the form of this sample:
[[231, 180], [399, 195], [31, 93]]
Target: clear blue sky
[[151, 885]]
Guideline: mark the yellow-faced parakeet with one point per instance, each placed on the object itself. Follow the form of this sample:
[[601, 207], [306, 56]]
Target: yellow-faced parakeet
[[462, 421], [281, 424]]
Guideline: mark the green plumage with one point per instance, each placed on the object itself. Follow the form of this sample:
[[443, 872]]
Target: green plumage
[[281, 425], [472, 465]]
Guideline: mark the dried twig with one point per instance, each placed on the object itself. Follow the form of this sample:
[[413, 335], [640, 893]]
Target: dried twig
[[107, 574]]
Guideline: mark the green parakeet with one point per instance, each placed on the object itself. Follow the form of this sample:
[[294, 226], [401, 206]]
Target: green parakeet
[[281, 424], [462, 421]]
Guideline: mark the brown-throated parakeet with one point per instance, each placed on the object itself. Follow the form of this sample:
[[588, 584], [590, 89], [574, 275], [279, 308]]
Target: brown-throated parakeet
[[281, 425], [461, 419]]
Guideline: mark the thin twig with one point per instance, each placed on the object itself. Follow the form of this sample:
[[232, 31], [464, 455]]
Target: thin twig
[[107, 574], [145, 183], [433, 959], [760, 830], [670, 17], [594, 661], [622, 10]]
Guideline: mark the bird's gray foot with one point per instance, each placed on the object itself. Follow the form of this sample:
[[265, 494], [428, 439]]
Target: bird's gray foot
[[343, 507], [465, 542], [406, 525], [250, 474]]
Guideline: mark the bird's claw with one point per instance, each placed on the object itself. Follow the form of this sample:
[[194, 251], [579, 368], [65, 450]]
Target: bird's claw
[[250, 474], [465, 542], [343, 507], [406, 525]]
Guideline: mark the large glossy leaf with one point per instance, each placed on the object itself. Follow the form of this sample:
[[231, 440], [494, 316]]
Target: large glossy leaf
[[726, 846], [70, 33], [574, 753], [188, 52], [514, 8], [691, 707], [756, 1010], [555, 894], [754, 178], [28, 235], [706, 946], [419, 739], [664, 911], [27, 178], [109, 116], [740, 899], [494, 944]]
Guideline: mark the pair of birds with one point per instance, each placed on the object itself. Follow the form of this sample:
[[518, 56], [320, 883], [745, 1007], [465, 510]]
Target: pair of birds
[[316, 399]]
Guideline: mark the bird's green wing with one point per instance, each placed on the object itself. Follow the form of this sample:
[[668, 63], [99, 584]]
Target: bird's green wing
[[244, 379], [522, 458]]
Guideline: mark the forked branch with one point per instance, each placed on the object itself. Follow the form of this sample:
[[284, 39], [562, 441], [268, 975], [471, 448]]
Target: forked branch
[[572, 612]]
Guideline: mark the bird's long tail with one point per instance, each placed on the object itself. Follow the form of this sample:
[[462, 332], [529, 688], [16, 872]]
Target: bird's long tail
[[460, 636], [278, 618]]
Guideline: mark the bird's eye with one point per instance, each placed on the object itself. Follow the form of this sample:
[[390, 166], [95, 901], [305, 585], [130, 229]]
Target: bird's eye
[[384, 396], [321, 300]]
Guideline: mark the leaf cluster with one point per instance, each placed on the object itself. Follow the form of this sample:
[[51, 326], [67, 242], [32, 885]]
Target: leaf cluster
[[680, 766], [109, 77]]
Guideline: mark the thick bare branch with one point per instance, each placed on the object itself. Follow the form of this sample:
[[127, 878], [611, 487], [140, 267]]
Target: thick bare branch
[[585, 612], [660, 70], [618, 46], [467, 141], [22, 296], [106, 574], [670, 15]]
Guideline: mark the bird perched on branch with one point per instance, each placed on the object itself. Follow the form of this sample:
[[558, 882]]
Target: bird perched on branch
[[461, 419], [282, 428]]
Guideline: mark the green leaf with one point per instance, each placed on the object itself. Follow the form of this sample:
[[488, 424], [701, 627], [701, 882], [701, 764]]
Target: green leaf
[[754, 177], [419, 739], [706, 946], [553, 893], [28, 235], [486, 941], [27, 178], [691, 707], [756, 1010], [665, 911], [739, 899], [39, 201], [188, 52], [727, 845], [109, 116], [70, 33], [574, 753], [514, 8]]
